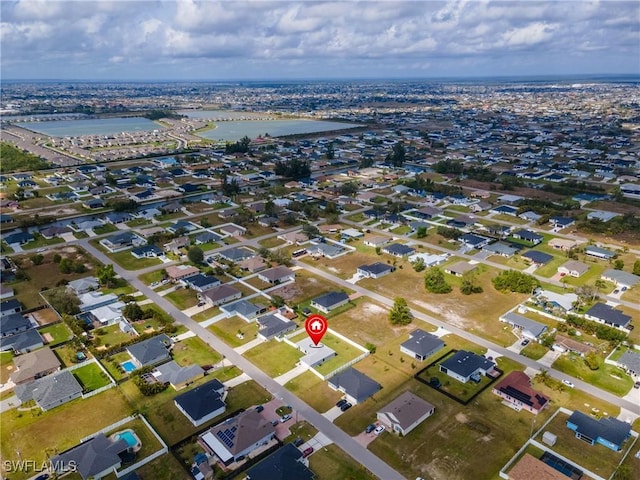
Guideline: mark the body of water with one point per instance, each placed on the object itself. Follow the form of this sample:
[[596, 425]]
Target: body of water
[[233, 131], [97, 126]]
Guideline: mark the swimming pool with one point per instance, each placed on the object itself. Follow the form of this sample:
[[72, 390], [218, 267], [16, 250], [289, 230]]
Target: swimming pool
[[128, 366], [128, 437]]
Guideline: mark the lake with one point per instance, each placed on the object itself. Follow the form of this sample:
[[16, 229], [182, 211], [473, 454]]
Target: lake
[[97, 126], [233, 131]]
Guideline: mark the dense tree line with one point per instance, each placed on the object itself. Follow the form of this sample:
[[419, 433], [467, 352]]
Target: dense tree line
[[17, 160], [294, 168], [450, 233], [434, 281], [514, 281], [241, 146], [626, 223], [601, 331], [158, 114]]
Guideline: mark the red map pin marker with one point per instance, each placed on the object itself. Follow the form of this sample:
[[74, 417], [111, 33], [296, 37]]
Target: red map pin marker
[[316, 326]]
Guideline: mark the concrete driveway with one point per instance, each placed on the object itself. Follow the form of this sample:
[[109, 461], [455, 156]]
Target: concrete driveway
[[332, 413]]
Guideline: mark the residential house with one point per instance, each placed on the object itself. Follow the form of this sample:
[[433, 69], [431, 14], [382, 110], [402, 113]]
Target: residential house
[[200, 282], [561, 222], [94, 203], [180, 272], [147, 251], [530, 329], [233, 230], [398, 250], [274, 325], [314, 354], [351, 233], [286, 463], [176, 376], [375, 270], [244, 309], [474, 241], [10, 307], [277, 275], [573, 268], [237, 437], [116, 218], [630, 361], [405, 413], [505, 210], [620, 278], [50, 391], [150, 351], [501, 248], [206, 237], [54, 232], [13, 323], [328, 250], [551, 301], [465, 366], [122, 241], [330, 301], [606, 431], [376, 241], [603, 313], [93, 459], [253, 264], [599, 252], [6, 292], [515, 389], [177, 244], [297, 238], [107, 314], [83, 285], [566, 344], [426, 213], [236, 254], [459, 268], [220, 295], [421, 345], [528, 236], [19, 238], [181, 227], [356, 386], [429, 259], [563, 244], [461, 221], [22, 342], [537, 258], [33, 365], [529, 467], [202, 403], [94, 299]]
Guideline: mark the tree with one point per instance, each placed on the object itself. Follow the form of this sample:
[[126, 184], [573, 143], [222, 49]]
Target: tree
[[133, 312], [37, 258], [195, 255], [106, 275], [636, 267], [64, 301], [397, 155], [419, 265], [421, 232], [470, 284], [400, 313], [618, 264], [366, 162], [310, 230], [514, 281], [434, 281], [593, 360], [331, 151], [277, 301]]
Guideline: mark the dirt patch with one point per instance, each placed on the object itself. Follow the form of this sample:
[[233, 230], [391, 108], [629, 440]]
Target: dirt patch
[[48, 338], [45, 316], [373, 309], [287, 292], [462, 418]]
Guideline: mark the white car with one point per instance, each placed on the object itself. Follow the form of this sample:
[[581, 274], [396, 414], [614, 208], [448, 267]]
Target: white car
[[568, 383], [379, 430]]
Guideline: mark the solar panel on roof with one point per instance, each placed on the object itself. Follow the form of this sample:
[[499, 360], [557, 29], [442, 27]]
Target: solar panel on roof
[[517, 394]]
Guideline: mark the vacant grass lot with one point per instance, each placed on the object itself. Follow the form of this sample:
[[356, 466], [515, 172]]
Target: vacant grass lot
[[346, 265], [6, 366], [183, 298], [274, 358], [194, 351], [597, 458], [313, 391], [534, 351], [58, 332], [306, 287], [271, 242], [165, 467], [34, 433], [228, 329], [91, 377], [206, 314], [607, 377], [330, 463]]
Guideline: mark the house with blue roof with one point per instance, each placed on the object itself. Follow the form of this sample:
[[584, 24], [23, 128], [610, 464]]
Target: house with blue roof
[[607, 431], [528, 236]]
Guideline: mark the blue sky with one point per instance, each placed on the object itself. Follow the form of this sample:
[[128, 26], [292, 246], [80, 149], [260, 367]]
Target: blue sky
[[212, 40]]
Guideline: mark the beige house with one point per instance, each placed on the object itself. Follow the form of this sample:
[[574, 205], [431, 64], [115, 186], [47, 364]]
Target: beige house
[[34, 365], [573, 268], [405, 413], [562, 244]]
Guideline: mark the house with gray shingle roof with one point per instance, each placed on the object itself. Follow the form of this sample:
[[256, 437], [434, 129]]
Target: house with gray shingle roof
[[405, 413], [630, 361], [176, 376], [356, 386], [273, 325], [150, 351], [202, 403], [421, 345], [50, 391], [94, 458]]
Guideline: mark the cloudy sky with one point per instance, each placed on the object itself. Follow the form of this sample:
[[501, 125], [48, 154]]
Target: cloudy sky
[[213, 40]]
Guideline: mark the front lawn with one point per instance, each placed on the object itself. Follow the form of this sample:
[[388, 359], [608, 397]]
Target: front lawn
[[345, 352], [129, 262], [194, 351], [91, 377], [229, 329], [109, 336], [183, 298], [534, 351], [313, 391], [607, 377], [274, 358], [6, 366], [331, 462]]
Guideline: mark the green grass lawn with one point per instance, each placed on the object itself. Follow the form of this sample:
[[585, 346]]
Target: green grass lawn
[[66, 354], [206, 314], [345, 352], [534, 351], [607, 377], [39, 241], [58, 332], [165, 467], [6, 366], [183, 298], [111, 364], [313, 391], [194, 351], [129, 262], [271, 242], [106, 228], [331, 462], [91, 377], [109, 336], [228, 329], [36, 433], [274, 358], [151, 277]]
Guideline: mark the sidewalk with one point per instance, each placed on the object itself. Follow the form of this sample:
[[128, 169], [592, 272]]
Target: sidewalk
[[248, 346], [237, 380]]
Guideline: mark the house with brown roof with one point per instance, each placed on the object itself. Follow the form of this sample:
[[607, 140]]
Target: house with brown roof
[[529, 467], [34, 365], [276, 275], [253, 264], [178, 272], [220, 295], [405, 413], [566, 344], [515, 389], [291, 238], [573, 268]]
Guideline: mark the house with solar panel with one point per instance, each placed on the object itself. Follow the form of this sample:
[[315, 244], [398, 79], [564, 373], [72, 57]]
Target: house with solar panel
[[237, 437], [515, 389]]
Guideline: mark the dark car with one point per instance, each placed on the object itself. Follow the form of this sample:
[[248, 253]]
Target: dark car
[[297, 442], [525, 342], [636, 385], [259, 408], [345, 407], [370, 428], [341, 402], [274, 422], [307, 452], [44, 476]]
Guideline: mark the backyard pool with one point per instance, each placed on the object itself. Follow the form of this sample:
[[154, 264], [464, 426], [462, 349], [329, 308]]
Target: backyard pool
[[129, 436], [128, 366]]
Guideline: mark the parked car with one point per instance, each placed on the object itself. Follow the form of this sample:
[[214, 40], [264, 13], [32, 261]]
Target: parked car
[[568, 383], [370, 428], [285, 418], [274, 422], [624, 289], [297, 442], [44, 476], [379, 429], [341, 402], [616, 291], [524, 342], [346, 407], [307, 452], [259, 408], [636, 385]]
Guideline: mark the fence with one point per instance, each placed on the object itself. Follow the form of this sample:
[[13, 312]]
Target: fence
[[111, 384], [150, 458]]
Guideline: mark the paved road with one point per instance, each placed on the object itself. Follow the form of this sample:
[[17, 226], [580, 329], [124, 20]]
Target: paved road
[[336, 435], [586, 387]]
